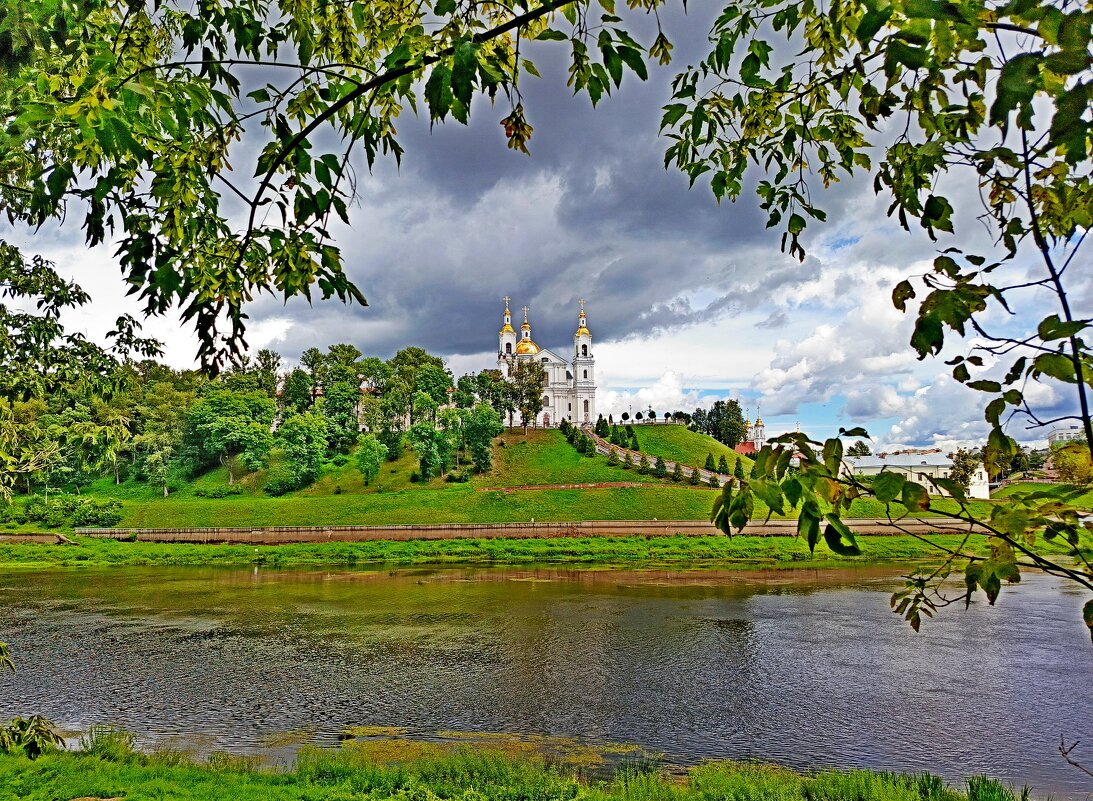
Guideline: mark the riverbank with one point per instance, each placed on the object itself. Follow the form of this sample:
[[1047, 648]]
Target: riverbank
[[465, 775], [742, 552]]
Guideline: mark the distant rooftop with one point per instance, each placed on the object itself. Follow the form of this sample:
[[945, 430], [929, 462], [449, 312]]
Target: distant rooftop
[[935, 459]]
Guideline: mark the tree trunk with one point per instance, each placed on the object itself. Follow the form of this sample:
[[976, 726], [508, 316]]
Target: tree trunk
[[164, 489]]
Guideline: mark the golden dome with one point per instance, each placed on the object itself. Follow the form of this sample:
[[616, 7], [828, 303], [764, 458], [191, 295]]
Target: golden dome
[[759, 421], [525, 347], [583, 331], [507, 329]]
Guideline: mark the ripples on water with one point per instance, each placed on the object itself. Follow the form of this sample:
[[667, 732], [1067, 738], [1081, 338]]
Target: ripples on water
[[809, 671]]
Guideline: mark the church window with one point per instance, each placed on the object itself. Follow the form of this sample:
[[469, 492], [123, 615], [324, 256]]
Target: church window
[[508, 348], [586, 374], [546, 400], [586, 407], [571, 406], [584, 350], [545, 360]]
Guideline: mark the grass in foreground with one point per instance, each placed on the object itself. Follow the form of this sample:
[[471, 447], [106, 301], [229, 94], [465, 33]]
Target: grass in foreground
[[740, 552], [113, 771]]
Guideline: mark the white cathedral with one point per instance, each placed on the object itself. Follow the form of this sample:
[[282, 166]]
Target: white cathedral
[[570, 389]]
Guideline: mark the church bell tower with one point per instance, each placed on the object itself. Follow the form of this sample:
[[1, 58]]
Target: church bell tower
[[584, 371], [506, 348]]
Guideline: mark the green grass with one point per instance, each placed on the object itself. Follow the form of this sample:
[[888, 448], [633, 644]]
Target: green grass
[[459, 774], [679, 444], [340, 498], [720, 552], [544, 457], [1085, 500]]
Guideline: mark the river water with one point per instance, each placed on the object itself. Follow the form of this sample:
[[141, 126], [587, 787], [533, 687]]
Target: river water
[[809, 669]]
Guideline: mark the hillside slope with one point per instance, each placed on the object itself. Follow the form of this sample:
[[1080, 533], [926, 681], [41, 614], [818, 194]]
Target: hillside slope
[[680, 444]]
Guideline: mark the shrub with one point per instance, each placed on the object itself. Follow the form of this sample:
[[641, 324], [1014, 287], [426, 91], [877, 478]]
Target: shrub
[[696, 479], [714, 482], [677, 473], [660, 469], [458, 478], [35, 508], [723, 465], [54, 517], [415, 477], [33, 736], [107, 742], [710, 463], [279, 481], [643, 465]]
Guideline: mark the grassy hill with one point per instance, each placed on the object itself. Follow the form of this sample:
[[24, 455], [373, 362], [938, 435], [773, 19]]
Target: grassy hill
[[539, 458], [680, 444]]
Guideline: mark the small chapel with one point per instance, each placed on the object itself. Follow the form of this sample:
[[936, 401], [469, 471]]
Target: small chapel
[[570, 389]]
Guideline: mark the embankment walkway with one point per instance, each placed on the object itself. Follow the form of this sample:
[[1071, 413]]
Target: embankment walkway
[[529, 530]]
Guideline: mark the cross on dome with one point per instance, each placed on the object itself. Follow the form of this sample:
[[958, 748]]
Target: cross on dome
[[525, 314]]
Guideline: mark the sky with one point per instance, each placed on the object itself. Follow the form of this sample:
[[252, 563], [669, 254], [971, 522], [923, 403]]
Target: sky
[[687, 301]]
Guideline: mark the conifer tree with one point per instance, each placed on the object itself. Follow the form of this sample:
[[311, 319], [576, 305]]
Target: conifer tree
[[723, 465], [710, 463], [660, 469], [695, 477], [613, 458], [627, 462], [714, 482], [738, 468], [634, 445], [643, 465], [677, 473]]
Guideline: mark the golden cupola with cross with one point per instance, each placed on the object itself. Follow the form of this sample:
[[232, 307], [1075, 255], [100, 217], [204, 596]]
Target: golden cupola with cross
[[526, 346]]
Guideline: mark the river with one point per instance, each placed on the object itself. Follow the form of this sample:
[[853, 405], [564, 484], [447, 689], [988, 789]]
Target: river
[[809, 669]]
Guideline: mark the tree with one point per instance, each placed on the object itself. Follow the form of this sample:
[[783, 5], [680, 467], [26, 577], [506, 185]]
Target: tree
[[229, 427], [994, 94], [303, 437], [1073, 464], [315, 362], [338, 407], [738, 469], [714, 482], [710, 464], [625, 416], [482, 425], [696, 477], [613, 457], [296, 394], [267, 368], [652, 415], [859, 448], [643, 465], [435, 381], [637, 416], [627, 461], [723, 465], [426, 442], [527, 379], [677, 473], [965, 463], [369, 457]]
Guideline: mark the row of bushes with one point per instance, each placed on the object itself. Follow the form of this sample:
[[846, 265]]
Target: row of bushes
[[64, 510]]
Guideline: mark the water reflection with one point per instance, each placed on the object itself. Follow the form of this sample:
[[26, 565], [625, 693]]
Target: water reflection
[[808, 669]]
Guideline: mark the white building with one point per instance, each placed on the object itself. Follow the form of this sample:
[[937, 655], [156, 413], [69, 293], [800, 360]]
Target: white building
[[918, 466], [1061, 436], [570, 390]]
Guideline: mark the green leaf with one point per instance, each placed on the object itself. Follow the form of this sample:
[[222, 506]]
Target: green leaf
[[915, 497], [1052, 328], [1087, 616], [888, 486], [1055, 365], [871, 22], [464, 67], [808, 524], [551, 35], [901, 294], [635, 60], [984, 385], [444, 7], [835, 533]]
